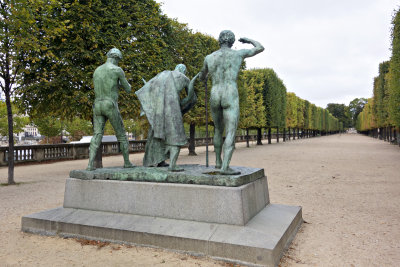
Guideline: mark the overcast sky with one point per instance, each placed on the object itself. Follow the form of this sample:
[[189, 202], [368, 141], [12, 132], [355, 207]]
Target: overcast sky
[[325, 51]]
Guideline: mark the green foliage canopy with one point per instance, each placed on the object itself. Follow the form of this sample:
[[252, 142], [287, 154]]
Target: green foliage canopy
[[252, 109], [383, 109], [274, 93], [342, 112], [59, 77], [366, 119], [291, 110], [48, 126], [305, 115], [19, 120], [381, 96], [77, 128], [355, 107], [394, 73]]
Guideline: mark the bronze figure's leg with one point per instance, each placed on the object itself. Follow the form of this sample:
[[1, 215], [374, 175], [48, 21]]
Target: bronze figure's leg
[[231, 117], [118, 125], [99, 121], [174, 152], [216, 115]]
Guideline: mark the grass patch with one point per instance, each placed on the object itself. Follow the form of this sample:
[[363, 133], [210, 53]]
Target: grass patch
[[19, 183], [6, 184]]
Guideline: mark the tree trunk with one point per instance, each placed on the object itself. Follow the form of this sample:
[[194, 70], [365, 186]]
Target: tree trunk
[[259, 136], [397, 133], [192, 144], [387, 134], [269, 136], [284, 134], [277, 134], [6, 75], [61, 135], [298, 133], [10, 136], [247, 138], [289, 132], [384, 133], [294, 133]]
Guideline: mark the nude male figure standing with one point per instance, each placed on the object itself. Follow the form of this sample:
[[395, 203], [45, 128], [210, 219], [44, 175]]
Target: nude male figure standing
[[107, 79], [223, 65]]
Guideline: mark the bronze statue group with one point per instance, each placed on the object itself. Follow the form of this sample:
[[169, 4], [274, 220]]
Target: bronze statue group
[[160, 102]]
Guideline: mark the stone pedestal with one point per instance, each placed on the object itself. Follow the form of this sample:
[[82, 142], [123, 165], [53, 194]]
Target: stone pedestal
[[202, 203], [235, 223]]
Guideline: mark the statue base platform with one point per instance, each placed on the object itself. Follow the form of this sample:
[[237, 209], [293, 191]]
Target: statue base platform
[[233, 223], [192, 174]]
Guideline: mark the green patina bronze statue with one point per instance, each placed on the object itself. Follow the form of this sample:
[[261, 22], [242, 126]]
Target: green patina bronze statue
[[160, 101], [223, 66], [107, 79]]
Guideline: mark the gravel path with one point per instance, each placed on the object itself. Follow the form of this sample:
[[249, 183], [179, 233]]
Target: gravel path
[[348, 186]]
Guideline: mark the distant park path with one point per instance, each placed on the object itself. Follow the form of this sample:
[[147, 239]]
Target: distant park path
[[348, 186]]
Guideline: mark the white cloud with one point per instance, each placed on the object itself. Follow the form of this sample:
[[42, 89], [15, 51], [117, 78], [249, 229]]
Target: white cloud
[[326, 51]]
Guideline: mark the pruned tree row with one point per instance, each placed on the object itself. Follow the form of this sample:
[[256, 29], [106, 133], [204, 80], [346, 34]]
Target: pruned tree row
[[380, 117], [266, 104], [50, 49]]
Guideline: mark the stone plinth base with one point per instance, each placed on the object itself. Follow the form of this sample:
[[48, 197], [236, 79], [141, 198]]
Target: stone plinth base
[[202, 203], [261, 241], [235, 223]]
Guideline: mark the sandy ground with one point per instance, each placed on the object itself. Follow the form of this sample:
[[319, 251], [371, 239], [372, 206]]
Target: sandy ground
[[348, 186]]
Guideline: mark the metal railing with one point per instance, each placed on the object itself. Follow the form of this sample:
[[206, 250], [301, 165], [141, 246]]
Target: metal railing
[[41, 153]]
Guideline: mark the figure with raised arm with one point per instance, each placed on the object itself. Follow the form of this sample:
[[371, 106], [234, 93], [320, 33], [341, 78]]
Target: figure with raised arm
[[223, 66], [107, 79]]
